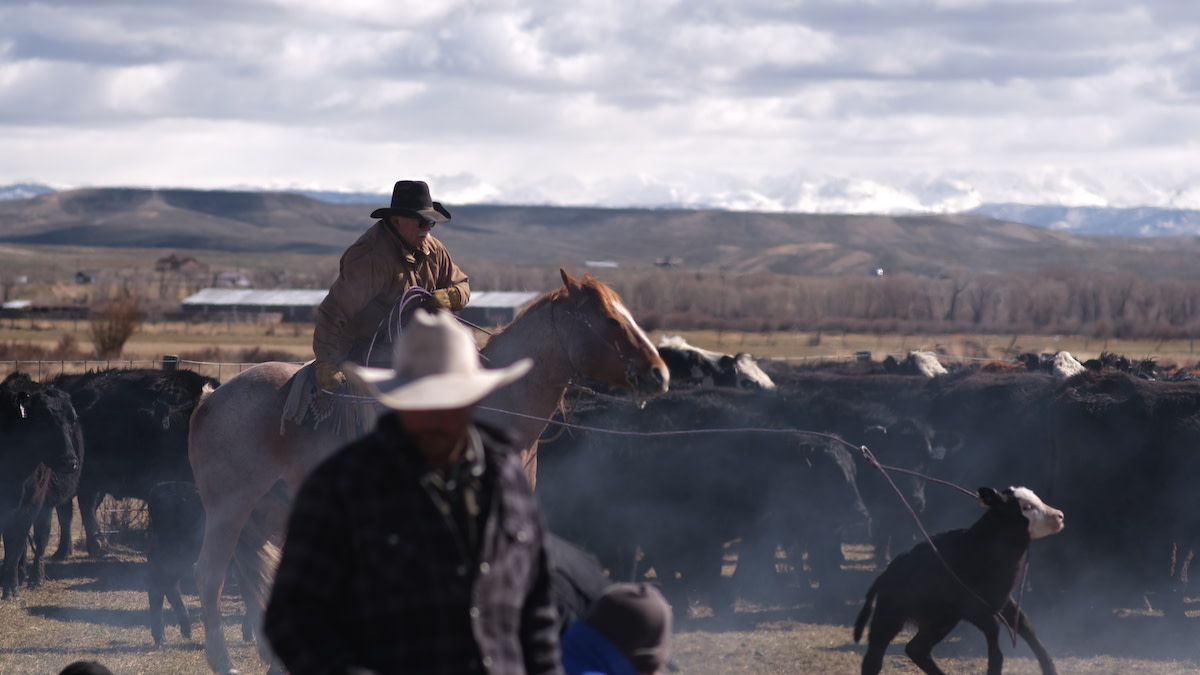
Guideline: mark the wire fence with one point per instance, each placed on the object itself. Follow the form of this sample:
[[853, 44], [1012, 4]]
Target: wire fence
[[45, 369]]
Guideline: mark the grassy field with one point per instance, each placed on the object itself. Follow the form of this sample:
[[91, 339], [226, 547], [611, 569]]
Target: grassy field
[[208, 344]]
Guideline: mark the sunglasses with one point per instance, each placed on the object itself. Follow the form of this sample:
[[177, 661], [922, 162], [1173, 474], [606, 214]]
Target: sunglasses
[[425, 224]]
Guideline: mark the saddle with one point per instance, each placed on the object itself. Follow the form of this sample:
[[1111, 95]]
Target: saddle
[[348, 414]]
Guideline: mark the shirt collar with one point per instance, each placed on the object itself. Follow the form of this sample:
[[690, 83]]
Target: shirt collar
[[469, 468]]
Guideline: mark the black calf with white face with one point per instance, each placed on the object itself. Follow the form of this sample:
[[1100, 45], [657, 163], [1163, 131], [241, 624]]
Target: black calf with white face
[[970, 575], [1043, 520]]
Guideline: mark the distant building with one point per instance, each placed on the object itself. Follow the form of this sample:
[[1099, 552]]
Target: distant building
[[600, 263], [232, 280], [15, 309], [179, 262], [495, 308], [24, 309], [246, 305], [486, 309]]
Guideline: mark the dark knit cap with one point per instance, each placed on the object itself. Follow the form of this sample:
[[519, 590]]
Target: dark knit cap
[[637, 620]]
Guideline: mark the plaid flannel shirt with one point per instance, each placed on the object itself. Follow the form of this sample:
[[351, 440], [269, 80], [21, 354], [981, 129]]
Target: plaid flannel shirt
[[372, 575]]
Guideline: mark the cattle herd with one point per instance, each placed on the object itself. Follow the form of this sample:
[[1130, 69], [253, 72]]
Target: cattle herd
[[748, 481], [780, 478]]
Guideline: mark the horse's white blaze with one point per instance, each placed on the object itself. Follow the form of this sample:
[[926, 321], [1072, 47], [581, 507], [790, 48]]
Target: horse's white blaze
[[620, 307], [1044, 520]]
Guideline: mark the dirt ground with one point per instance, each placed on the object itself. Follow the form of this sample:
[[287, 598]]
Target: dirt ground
[[97, 609]]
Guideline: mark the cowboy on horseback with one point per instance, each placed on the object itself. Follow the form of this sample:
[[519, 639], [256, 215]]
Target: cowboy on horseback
[[354, 323]]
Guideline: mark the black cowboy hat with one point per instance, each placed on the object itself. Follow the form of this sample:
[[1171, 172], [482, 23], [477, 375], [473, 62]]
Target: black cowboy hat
[[410, 198]]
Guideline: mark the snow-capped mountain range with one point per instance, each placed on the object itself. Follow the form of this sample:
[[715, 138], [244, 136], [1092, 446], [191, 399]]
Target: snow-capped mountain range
[[1060, 201]]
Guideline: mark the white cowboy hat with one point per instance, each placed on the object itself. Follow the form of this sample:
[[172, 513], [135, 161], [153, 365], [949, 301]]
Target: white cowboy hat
[[436, 367]]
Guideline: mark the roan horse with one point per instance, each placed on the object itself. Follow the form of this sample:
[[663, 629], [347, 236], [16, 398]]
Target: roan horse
[[239, 456]]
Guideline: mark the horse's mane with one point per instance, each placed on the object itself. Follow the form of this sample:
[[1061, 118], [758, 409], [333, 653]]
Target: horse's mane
[[607, 295]]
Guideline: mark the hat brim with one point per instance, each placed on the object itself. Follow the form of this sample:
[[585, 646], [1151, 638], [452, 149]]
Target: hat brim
[[436, 392], [437, 213]]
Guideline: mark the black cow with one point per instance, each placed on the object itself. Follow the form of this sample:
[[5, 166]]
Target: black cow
[[175, 533], [1118, 431], [41, 451], [1001, 430], [691, 366], [680, 499], [872, 409], [1067, 439], [135, 425]]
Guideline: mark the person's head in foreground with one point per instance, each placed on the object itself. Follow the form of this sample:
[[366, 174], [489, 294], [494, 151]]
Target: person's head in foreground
[[627, 631]]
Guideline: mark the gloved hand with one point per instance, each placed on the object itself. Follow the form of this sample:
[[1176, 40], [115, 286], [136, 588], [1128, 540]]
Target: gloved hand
[[448, 298], [329, 377]]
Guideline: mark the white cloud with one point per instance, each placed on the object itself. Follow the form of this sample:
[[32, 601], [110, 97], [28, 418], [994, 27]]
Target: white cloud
[[756, 104]]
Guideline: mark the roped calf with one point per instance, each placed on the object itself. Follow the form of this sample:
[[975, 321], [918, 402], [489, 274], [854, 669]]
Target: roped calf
[[971, 576]]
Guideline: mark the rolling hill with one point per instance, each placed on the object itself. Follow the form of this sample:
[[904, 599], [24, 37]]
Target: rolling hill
[[733, 242]]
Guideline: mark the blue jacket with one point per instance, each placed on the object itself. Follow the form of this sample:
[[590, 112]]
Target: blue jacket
[[587, 652]]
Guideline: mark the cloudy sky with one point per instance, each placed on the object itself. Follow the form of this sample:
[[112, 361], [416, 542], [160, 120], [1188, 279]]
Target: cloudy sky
[[825, 105]]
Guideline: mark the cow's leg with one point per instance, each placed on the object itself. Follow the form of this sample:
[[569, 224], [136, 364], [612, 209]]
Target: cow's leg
[[154, 593], [176, 599], [89, 501], [41, 540], [884, 629], [991, 631], [14, 553], [825, 559], [66, 517], [920, 648], [1016, 617]]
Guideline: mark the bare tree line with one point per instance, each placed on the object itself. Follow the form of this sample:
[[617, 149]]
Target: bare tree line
[[1055, 300], [1062, 300]]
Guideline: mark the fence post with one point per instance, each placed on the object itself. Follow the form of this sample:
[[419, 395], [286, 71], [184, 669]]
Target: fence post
[[170, 362]]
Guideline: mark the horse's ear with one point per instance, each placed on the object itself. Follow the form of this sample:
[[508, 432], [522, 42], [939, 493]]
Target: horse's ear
[[569, 282]]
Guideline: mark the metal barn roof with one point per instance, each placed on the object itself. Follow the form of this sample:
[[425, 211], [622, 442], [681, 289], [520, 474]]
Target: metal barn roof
[[279, 298], [256, 298]]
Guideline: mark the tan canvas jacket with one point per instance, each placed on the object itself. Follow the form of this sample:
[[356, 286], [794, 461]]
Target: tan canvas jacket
[[374, 272]]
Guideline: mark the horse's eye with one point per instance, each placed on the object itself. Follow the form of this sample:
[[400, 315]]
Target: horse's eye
[[613, 323]]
